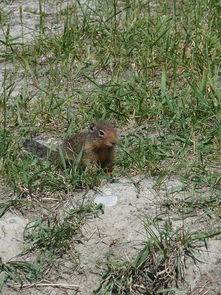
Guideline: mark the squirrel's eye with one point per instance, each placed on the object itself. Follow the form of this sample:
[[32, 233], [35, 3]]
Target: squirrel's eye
[[101, 132]]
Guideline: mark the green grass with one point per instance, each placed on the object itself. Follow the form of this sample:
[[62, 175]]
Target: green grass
[[55, 236], [137, 63], [18, 272], [3, 17], [159, 267], [49, 238]]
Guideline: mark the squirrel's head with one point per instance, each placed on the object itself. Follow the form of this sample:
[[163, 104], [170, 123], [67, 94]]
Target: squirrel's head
[[103, 133]]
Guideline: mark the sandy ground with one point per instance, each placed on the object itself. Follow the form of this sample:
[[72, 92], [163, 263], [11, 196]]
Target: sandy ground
[[118, 231]]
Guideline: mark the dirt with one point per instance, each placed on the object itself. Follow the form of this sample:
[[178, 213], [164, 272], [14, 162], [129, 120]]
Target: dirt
[[117, 233], [24, 18]]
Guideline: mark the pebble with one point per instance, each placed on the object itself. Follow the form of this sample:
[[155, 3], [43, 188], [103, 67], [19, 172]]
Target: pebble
[[109, 200]]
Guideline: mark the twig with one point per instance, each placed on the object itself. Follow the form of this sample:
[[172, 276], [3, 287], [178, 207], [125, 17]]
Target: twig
[[66, 286], [91, 235]]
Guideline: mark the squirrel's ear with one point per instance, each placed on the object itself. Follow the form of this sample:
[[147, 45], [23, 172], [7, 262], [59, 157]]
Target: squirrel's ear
[[91, 127]]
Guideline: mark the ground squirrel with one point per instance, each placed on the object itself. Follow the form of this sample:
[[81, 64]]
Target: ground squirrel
[[97, 145], [93, 148]]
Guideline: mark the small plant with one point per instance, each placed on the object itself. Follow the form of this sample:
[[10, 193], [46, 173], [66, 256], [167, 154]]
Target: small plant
[[159, 266], [18, 271], [208, 207], [55, 236], [4, 206], [48, 239]]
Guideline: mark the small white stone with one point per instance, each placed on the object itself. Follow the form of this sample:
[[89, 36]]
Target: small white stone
[[109, 200]]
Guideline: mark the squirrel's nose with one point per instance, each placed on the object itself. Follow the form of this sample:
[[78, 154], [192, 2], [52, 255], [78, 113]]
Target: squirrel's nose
[[111, 143]]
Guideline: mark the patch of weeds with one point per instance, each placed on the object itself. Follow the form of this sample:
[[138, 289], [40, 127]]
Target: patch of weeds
[[48, 239], [17, 272], [51, 235], [4, 206], [205, 178], [146, 154], [204, 207], [139, 154], [159, 266]]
